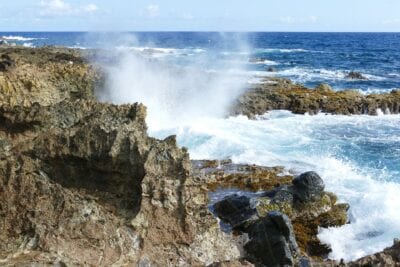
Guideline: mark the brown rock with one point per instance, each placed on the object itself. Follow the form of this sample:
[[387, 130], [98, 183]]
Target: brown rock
[[299, 99]]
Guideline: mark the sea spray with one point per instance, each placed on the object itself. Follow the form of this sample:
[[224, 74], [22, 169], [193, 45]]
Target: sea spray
[[357, 156], [188, 95], [177, 90]]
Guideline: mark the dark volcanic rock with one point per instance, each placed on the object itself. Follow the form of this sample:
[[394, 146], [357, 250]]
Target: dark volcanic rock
[[5, 63], [235, 210], [355, 76], [272, 242], [302, 199], [308, 187]]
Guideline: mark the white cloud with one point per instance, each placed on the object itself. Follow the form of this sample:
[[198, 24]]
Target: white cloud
[[62, 7], [91, 8], [153, 11], [55, 6]]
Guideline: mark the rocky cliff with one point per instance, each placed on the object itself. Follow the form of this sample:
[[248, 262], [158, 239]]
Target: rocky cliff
[[82, 184]]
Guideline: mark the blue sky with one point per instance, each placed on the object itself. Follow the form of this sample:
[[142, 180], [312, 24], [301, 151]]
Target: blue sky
[[202, 15]]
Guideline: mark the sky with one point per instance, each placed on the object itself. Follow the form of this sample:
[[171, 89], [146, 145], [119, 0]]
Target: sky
[[201, 15]]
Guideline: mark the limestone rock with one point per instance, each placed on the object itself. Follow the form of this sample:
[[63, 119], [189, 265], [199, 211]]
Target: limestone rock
[[276, 93]]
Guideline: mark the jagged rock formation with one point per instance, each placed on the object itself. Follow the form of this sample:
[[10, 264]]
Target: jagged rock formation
[[278, 93], [81, 182]]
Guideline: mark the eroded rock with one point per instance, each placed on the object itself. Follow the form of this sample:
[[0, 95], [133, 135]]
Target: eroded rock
[[277, 94]]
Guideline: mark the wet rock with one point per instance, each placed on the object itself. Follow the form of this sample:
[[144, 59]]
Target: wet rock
[[271, 69], [235, 210], [319, 209], [355, 76], [308, 187], [277, 94], [272, 241]]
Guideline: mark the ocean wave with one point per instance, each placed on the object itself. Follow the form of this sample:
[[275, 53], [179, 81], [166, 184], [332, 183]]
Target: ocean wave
[[28, 45], [319, 143], [20, 38], [375, 91], [281, 50], [163, 51], [263, 62], [308, 74]]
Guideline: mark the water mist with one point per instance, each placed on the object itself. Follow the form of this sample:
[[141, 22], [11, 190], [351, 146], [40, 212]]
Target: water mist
[[176, 85]]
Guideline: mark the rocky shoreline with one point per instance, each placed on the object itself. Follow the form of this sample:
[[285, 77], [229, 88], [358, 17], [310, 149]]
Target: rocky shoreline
[[278, 93], [82, 184]]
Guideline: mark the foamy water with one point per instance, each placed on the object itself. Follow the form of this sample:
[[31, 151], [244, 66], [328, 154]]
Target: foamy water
[[331, 145], [188, 91]]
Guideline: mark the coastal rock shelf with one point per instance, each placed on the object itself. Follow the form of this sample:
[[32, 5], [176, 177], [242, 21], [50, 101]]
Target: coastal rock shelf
[[277, 93], [82, 183]]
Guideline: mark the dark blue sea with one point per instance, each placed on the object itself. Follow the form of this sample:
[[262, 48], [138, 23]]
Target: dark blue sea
[[308, 58], [188, 80]]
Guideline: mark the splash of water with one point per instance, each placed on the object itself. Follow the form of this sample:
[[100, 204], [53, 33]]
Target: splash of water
[[175, 87], [188, 95]]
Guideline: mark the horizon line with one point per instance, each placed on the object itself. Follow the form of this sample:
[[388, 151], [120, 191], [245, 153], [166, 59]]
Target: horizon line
[[185, 31]]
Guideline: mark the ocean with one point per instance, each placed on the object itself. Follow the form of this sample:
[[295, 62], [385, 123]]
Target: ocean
[[188, 80]]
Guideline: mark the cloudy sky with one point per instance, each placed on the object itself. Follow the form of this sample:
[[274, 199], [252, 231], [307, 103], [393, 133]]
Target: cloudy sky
[[201, 15]]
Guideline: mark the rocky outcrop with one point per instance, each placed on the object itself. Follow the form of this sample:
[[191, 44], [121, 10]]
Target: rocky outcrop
[[278, 93], [82, 184], [355, 76], [264, 191], [45, 75]]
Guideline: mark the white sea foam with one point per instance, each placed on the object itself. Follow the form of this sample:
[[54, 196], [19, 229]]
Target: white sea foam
[[265, 62], [159, 52], [375, 91], [28, 45], [20, 38], [302, 75], [303, 143], [173, 93], [281, 50], [191, 100]]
